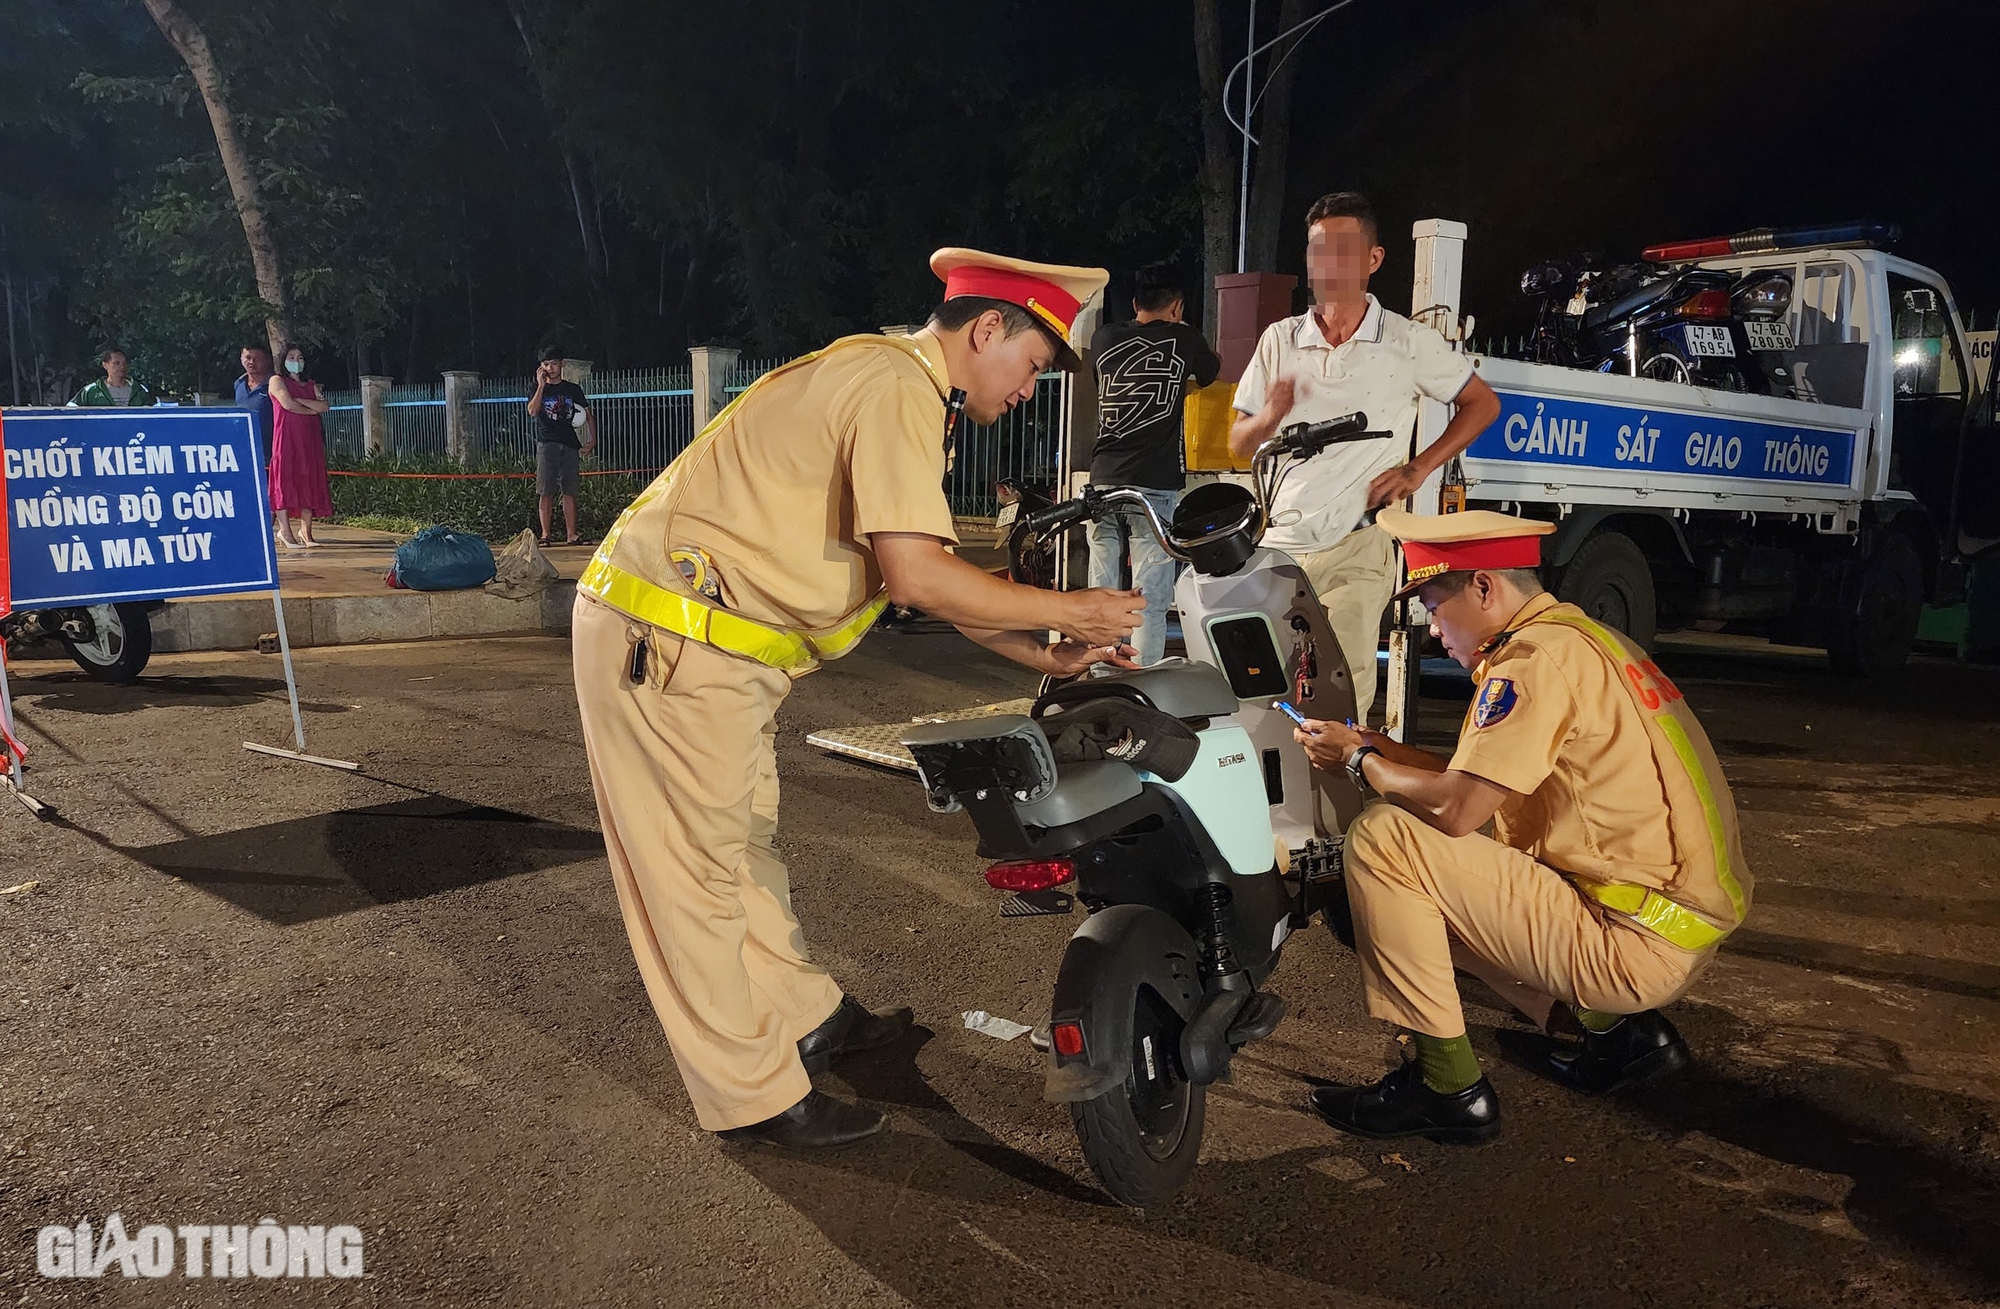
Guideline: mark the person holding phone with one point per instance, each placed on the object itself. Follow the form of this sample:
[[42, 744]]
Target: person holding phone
[[1615, 867], [555, 407]]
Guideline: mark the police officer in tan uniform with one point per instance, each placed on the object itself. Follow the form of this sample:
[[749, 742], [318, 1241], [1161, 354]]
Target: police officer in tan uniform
[[769, 546], [1613, 871]]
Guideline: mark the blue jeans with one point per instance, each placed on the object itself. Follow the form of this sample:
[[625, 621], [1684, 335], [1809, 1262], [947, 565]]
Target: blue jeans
[[1153, 569]]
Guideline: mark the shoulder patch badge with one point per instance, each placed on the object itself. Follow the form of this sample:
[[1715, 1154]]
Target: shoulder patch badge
[[1496, 700]]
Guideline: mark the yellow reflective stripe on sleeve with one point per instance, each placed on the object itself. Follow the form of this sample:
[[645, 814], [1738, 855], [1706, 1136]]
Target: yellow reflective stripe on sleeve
[[1704, 789]]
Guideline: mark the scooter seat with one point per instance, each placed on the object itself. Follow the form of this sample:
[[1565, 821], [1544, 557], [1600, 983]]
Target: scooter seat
[[1081, 790], [1178, 687]]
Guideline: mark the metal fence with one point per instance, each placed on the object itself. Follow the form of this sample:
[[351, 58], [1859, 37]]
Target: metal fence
[[416, 420], [1025, 444], [646, 417]]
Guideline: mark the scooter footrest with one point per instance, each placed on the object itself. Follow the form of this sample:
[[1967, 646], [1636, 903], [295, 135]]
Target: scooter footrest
[[1035, 904], [1258, 1020]]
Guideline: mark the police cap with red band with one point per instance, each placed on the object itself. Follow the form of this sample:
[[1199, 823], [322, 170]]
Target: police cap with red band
[[1436, 544], [1053, 293]]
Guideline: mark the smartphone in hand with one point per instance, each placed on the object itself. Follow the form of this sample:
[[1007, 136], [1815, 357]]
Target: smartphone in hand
[[1285, 708]]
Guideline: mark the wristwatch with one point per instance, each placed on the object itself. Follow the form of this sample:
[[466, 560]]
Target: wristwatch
[[1354, 763]]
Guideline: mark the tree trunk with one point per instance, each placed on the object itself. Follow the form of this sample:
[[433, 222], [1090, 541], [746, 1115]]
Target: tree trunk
[[186, 37], [597, 267], [1218, 158], [1274, 145]]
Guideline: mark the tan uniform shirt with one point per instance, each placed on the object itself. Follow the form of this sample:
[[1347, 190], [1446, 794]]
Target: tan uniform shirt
[[784, 494], [1552, 722]]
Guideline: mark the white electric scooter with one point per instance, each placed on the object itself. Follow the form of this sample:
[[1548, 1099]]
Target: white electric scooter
[[1174, 797]]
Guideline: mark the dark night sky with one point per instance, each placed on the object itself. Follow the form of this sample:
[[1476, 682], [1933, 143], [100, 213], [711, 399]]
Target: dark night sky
[[1556, 126]]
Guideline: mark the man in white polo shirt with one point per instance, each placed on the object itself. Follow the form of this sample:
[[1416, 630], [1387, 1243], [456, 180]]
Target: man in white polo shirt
[[1347, 354]]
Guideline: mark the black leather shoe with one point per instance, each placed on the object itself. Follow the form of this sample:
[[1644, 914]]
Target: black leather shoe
[[851, 1029], [1401, 1105], [815, 1123], [1643, 1047]]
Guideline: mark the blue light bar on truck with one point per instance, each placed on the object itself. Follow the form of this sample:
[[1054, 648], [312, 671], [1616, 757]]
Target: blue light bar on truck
[[1764, 240]]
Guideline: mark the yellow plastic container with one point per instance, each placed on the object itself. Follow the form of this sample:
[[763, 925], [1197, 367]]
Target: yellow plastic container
[[1207, 429]]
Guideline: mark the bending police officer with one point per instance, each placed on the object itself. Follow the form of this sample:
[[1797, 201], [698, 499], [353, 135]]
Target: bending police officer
[[769, 546]]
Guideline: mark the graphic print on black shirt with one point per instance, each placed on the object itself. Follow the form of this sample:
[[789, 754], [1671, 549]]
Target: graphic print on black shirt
[[560, 401], [1143, 371]]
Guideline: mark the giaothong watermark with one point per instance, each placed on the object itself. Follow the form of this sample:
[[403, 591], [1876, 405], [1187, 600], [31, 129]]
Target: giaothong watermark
[[263, 1249]]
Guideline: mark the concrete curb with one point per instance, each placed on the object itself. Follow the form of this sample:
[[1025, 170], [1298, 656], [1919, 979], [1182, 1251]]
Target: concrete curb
[[235, 622]]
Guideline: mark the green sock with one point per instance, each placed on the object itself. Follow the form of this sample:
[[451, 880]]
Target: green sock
[[1446, 1062], [1594, 1021]]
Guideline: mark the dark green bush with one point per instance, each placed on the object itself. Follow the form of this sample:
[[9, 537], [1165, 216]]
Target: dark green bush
[[496, 508]]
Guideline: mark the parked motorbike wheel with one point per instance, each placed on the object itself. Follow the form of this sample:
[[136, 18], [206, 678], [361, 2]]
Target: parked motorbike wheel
[[1610, 580], [1880, 609], [1143, 1137], [120, 644]]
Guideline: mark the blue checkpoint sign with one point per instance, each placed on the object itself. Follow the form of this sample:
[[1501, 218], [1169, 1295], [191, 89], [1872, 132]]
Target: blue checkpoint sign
[[109, 505]]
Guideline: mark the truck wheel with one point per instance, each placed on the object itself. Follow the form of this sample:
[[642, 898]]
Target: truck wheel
[[1142, 1137], [1610, 580], [1877, 624]]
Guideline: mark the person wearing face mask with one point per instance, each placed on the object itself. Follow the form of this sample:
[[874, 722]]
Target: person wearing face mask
[[1614, 870], [772, 544], [1348, 354], [298, 453]]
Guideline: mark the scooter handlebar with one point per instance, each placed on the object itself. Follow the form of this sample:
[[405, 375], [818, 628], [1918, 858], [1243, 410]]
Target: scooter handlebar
[[1308, 439]]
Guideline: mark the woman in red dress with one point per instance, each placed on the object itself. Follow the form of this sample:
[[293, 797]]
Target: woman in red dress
[[298, 452]]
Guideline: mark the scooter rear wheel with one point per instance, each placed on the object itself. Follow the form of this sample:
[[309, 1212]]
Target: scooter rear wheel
[[1142, 1137]]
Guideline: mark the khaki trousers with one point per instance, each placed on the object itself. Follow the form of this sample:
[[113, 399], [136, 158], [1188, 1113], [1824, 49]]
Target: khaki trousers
[[1424, 902], [686, 774], [1354, 579]]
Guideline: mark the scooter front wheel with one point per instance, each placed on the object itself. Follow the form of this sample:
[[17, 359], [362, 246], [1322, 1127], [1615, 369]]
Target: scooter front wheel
[[1142, 1137]]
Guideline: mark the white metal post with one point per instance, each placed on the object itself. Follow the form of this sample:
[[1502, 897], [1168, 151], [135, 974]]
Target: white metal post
[[1434, 300], [291, 682], [13, 729], [1243, 182]]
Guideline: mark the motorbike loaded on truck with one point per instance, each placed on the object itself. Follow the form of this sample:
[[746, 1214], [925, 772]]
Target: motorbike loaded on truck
[[1778, 432]]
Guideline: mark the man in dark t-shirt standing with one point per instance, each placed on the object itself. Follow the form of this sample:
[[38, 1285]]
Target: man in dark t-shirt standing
[[1144, 367], [560, 411]]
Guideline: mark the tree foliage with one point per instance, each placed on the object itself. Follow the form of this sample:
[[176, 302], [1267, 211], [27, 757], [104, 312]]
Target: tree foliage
[[457, 185]]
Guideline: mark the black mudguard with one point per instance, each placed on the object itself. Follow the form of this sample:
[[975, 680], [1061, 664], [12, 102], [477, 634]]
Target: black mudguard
[[1115, 952]]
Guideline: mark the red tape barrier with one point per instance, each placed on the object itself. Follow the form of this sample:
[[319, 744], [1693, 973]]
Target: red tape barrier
[[489, 477]]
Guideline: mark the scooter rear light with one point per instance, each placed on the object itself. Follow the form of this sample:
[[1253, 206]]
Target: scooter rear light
[[1068, 1039], [1031, 874], [1705, 304]]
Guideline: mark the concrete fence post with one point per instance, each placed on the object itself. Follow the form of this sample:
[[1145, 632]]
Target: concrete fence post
[[375, 414], [461, 436], [710, 365], [578, 371]]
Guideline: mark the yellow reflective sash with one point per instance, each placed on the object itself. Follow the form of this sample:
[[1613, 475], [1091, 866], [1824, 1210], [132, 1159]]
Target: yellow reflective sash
[[1675, 922], [792, 652]]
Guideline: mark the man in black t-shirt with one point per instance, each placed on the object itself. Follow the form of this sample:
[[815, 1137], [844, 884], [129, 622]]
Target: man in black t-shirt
[[559, 410], [1144, 368]]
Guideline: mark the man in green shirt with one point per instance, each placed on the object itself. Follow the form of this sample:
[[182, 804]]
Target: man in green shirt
[[117, 387]]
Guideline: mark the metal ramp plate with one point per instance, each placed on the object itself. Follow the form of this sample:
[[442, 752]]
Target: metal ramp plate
[[881, 744]]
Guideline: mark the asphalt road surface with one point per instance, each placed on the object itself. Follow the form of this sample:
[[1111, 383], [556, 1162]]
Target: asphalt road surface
[[403, 1000]]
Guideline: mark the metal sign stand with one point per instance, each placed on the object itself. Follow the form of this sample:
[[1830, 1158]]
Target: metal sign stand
[[15, 779], [298, 722]]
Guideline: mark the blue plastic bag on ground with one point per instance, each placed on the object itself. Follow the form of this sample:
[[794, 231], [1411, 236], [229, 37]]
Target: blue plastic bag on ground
[[444, 559]]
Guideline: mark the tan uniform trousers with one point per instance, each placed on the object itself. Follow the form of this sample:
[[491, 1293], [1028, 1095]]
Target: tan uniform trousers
[[1354, 579], [1424, 902], [686, 774]]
